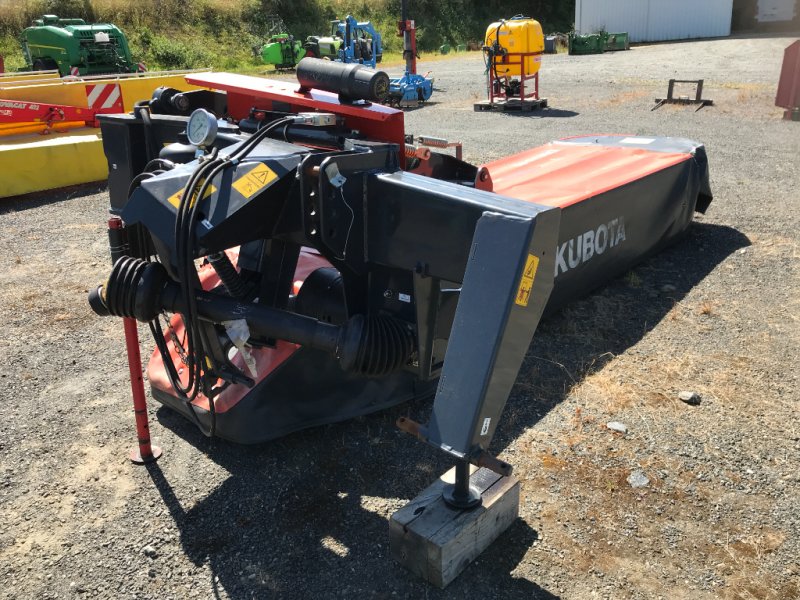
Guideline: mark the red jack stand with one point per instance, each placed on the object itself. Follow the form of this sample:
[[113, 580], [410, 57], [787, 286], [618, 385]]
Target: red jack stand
[[145, 453]]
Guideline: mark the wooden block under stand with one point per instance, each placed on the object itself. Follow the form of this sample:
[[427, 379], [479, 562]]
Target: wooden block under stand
[[438, 542]]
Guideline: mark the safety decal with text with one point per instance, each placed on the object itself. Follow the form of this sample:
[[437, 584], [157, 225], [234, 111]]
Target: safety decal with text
[[175, 199], [526, 284], [254, 181]]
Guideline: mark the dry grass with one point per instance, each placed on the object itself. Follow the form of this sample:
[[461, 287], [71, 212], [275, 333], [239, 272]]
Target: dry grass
[[707, 308], [632, 279], [653, 382], [626, 97]]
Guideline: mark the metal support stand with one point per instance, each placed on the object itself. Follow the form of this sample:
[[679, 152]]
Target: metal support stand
[[145, 452], [671, 99], [461, 494]]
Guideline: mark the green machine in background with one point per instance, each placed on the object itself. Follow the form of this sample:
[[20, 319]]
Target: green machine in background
[[283, 51], [281, 48], [617, 41], [597, 43], [76, 48], [350, 41]]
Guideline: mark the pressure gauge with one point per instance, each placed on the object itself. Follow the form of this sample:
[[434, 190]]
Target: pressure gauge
[[202, 128]]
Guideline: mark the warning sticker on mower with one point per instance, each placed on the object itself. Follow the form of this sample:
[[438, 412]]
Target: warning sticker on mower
[[526, 285], [175, 199], [255, 180]]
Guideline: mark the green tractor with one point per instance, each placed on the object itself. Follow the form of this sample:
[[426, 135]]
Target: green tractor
[[324, 46], [280, 49], [76, 48], [350, 41]]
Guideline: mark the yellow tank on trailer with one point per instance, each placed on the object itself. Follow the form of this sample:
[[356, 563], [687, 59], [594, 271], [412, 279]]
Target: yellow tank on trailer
[[515, 35]]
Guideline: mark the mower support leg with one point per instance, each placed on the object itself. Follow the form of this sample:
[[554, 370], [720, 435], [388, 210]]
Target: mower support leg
[[461, 494], [145, 452], [506, 286]]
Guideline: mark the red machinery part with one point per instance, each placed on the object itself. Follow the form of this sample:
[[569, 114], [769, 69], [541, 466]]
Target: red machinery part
[[266, 360], [562, 173], [518, 58], [788, 95], [374, 121], [19, 111], [145, 452], [410, 54]]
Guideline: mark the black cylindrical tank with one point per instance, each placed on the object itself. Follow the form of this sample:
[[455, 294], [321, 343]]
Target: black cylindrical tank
[[350, 81]]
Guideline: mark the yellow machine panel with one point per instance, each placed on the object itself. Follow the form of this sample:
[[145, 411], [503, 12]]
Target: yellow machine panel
[[73, 92], [38, 156], [33, 162]]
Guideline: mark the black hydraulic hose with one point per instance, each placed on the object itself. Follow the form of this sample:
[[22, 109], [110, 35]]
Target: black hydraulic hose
[[228, 275], [161, 163], [142, 110], [497, 45], [248, 146], [195, 336], [198, 362]]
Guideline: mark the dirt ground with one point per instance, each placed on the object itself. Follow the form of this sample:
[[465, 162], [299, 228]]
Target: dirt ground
[[307, 516]]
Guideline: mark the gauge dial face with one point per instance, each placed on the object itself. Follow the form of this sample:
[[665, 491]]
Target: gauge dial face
[[202, 128]]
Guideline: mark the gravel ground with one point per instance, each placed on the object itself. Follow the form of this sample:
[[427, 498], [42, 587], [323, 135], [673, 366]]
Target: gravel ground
[[306, 516]]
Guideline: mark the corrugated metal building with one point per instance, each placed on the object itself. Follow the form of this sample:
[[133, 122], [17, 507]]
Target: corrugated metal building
[[655, 20]]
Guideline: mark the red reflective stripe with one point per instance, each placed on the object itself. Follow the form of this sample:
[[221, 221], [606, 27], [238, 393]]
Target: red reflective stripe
[[104, 96]]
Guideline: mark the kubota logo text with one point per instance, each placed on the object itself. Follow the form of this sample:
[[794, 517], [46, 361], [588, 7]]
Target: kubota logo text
[[579, 249]]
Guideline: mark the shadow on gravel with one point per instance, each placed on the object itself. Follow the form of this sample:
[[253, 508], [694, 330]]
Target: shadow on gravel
[[319, 529], [37, 199], [547, 113], [584, 336], [421, 106], [306, 515]]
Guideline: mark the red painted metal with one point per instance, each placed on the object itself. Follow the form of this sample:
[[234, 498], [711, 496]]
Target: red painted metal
[[409, 55], [788, 95], [267, 360], [516, 58], [145, 452], [563, 174], [375, 121], [19, 111]]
